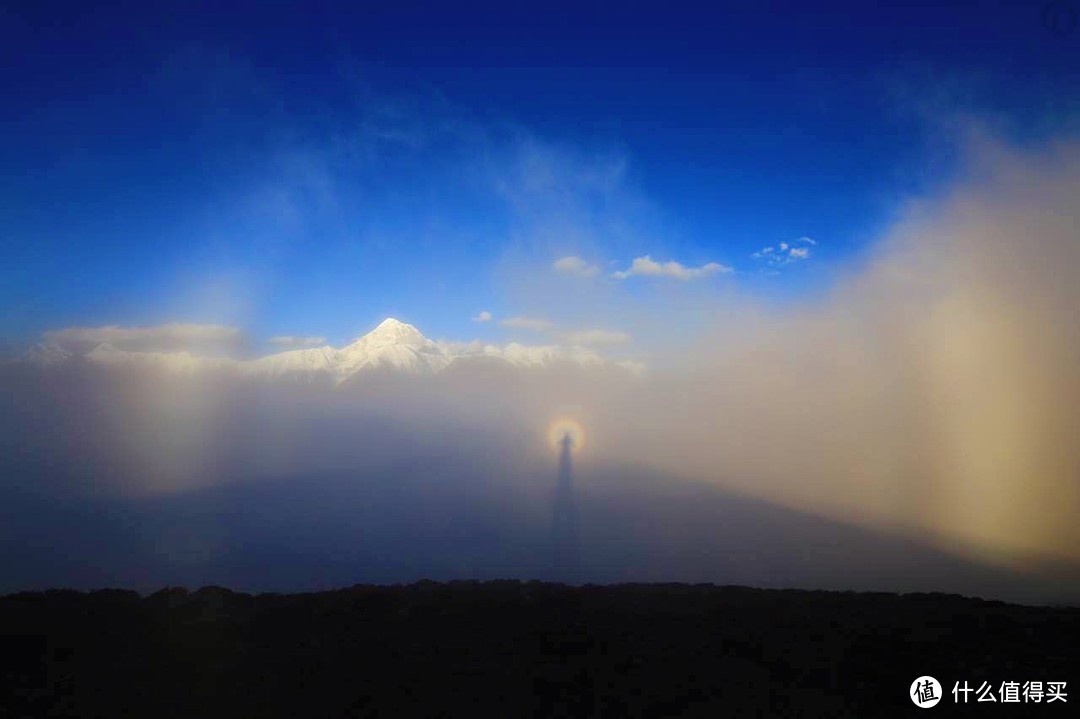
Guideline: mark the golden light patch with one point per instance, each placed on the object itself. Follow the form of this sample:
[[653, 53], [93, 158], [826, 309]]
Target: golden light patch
[[562, 427]]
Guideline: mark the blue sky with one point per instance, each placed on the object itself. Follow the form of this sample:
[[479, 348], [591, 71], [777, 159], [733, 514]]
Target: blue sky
[[308, 169]]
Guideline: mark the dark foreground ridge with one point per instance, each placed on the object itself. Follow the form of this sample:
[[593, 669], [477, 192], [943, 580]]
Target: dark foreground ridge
[[513, 649]]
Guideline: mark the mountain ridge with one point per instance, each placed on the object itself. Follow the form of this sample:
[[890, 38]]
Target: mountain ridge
[[556, 650], [392, 346]]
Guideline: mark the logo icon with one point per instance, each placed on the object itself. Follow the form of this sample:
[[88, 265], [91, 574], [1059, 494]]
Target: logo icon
[[925, 692]]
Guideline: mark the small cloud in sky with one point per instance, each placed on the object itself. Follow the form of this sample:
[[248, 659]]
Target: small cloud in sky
[[572, 265], [526, 323], [786, 252], [597, 337], [483, 316], [647, 266], [172, 336], [291, 342]]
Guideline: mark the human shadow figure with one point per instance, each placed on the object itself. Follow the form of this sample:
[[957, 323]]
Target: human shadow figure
[[567, 555]]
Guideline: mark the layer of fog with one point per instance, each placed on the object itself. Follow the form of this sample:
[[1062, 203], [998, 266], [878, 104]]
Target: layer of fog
[[914, 430], [934, 391]]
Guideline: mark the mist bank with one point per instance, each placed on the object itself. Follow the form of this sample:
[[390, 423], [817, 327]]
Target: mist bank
[[148, 480], [928, 398], [933, 390]]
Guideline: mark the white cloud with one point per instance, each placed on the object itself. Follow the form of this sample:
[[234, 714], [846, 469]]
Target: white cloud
[[483, 316], [633, 366], [786, 252], [526, 323], [289, 341], [597, 337], [161, 337], [572, 265], [647, 266]]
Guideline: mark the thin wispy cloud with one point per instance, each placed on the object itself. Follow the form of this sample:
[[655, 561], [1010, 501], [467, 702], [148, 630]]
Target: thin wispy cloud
[[161, 337], [572, 265], [786, 253], [290, 342], [526, 323], [648, 267], [597, 337], [482, 316]]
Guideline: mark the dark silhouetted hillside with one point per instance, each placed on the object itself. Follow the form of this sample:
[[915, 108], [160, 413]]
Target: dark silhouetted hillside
[[512, 649]]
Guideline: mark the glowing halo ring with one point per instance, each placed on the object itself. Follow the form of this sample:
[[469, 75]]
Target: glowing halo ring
[[560, 428]]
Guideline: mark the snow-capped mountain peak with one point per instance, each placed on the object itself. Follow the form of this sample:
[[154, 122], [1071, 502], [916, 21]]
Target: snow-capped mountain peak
[[392, 345], [394, 332]]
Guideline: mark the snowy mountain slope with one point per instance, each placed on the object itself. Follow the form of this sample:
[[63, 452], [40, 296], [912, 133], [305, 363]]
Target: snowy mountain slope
[[46, 355], [305, 361], [393, 346]]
